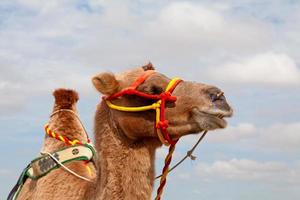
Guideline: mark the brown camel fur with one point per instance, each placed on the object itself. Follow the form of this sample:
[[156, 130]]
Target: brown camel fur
[[126, 142], [60, 184]]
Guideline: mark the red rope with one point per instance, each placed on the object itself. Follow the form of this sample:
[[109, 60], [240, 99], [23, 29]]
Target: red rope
[[164, 97], [165, 171], [64, 139], [141, 79], [162, 124], [130, 91]]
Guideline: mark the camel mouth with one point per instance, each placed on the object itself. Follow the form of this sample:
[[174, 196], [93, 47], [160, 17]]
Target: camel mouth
[[217, 112], [211, 119]]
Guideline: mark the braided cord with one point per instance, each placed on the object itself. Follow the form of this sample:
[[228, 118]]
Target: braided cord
[[64, 139], [165, 171]]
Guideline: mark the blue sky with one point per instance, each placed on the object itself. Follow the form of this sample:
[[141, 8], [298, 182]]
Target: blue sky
[[249, 48]]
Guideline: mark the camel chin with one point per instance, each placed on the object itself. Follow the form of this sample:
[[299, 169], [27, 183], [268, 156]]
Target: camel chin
[[211, 119]]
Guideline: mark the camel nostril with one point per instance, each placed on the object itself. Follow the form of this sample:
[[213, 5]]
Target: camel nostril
[[217, 96], [213, 97]]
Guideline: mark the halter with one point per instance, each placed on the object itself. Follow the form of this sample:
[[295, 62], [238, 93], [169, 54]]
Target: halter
[[161, 123]]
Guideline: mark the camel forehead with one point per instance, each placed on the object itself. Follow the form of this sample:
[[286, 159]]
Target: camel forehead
[[128, 77]]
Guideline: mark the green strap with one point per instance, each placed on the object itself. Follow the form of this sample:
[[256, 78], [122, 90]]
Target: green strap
[[17, 188], [44, 164]]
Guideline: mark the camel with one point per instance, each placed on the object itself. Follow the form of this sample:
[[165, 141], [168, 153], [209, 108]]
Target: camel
[[59, 184], [126, 142]]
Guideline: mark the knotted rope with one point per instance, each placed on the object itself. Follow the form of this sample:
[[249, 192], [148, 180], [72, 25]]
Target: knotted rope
[[64, 139], [161, 124], [165, 171]]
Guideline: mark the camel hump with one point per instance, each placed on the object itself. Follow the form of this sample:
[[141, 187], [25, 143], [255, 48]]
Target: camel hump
[[65, 96]]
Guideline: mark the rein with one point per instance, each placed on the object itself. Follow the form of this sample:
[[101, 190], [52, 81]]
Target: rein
[[189, 154], [161, 124]]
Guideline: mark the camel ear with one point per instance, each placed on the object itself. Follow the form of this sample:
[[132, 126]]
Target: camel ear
[[147, 67], [106, 83]]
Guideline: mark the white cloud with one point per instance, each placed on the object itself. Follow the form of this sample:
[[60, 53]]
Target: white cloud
[[35, 82], [234, 133], [195, 30], [268, 68], [279, 137], [181, 16], [39, 5], [250, 170], [178, 35]]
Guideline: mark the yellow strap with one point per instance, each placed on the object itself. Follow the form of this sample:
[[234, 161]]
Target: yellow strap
[[133, 109], [154, 106], [158, 131], [171, 83], [142, 108]]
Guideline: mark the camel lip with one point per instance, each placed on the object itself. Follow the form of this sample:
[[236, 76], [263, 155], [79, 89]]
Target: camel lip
[[218, 116], [215, 112]]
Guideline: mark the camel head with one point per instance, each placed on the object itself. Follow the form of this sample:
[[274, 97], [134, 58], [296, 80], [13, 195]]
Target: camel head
[[198, 106]]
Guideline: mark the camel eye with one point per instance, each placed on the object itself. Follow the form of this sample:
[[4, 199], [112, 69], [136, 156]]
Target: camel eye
[[156, 90]]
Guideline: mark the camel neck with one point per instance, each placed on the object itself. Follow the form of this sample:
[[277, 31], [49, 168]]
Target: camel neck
[[127, 167], [64, 124]]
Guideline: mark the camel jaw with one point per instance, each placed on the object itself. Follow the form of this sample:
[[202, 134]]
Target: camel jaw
[[211, 119]]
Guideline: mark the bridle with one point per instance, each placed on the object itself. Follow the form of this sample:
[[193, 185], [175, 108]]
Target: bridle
[[161, 124]]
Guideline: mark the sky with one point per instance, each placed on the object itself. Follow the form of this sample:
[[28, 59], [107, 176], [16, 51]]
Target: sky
[[249, 49]]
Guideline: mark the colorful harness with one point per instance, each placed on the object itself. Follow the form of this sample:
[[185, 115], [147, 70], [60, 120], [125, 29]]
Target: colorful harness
[[45, 163], [159, 106], [64, 139], [161, 123]]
